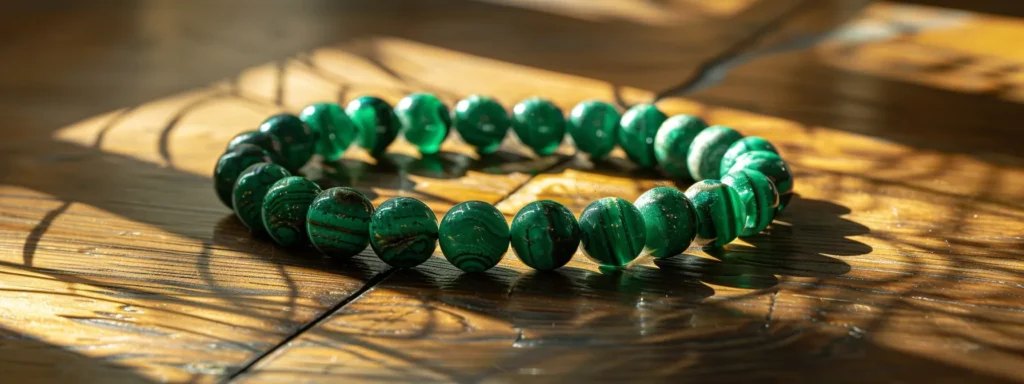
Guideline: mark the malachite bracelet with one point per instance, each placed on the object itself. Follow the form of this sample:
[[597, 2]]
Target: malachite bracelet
[[741, 183]]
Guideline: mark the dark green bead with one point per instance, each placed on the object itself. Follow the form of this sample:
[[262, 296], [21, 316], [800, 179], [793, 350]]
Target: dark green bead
[[744, 145], [333, 128], [637, 129], [771, 165], [593, 126], [376, 122], [545, 235], [231, 164], [672, 143], [265, 141], [403, 232], [539, 124], [298, 142], [481, 122], [720, 212], [338, 222], [474, 236], [705, 155], [251, 188], [284, 209], [425, 121], [759, 197], [612, 231], [670, 220]]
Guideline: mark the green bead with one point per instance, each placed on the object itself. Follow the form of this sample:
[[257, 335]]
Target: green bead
[[637, 129], [612, 231], [284, 209], [720, 212], [672, 143], [298, 142], [481, 122], [376, 122], [705, 155], [545, 235], [670, 220], [265, 141], [251, 188], [338, 222], [759, 198], [539, 124], [744, 145], [593, 126], [333, 128], [231, 164], [403, 232], [425, 121], [771, 165], [474, 236]]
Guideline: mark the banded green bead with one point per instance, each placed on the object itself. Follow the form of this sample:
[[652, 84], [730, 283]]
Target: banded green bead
[[298, 142], [403, 232], [376, 123], [285, 207], [720, 212], [744, 145], [705, 155], [759, 198], [474, 236], [545, 235], [250, 189], [231, 164], [637, 130], [771, 165], [593, 125], [539, 124], [481, 122], [672, 144], [612, 231], [338, 222], [333, 128], [425, 121], [265, 141], [670, 220]]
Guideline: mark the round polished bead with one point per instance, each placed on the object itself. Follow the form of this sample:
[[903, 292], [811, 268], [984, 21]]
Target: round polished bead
[[545, 235], [338, 221], [670, 220], [251, 188], [481, 122], [474, 236], [376, 123], [403, 232], [285, 207], [744, 145], [298, 142], [637, 130], [539, 124], [231, 164], [593, 126], [771, 165], [672, 143], [720, 212], [265, 141], [705, 154], [333, 128], [612, 231], [759, 198], [425, 121]]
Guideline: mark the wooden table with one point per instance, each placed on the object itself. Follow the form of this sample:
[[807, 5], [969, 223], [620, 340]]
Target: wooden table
[[900, 261]]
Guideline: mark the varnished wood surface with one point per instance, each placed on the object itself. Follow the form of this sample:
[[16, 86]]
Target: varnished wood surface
[[900, 261]]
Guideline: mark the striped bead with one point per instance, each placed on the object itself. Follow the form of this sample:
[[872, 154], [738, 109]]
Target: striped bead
[[637, 130], [231, 164], [612, 231], [474, 236], [539, 124], [481, 122], [425, 121], [338, 222], [333, 128], [720, 212], [744, 145], [670, 220], [758, 196], [403, 232], [284, 209], [593, 125], [771, 165], [704, 158], [376, 123], [251, 188], [545, 235], [672, 143]]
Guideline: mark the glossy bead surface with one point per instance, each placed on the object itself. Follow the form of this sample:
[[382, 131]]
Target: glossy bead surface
[[744, 145], [298, 142], [474, 236], [612, 231], [338, 221], [250, 189], [539, 124], [285, 207], [771, 165], [545, 235], [231, 164], [759, 198], [403, 232], [720, 212], [670, 220], [637, 130], [705, 154], [265, 141], [425, 121], [672, 143], [481, 122], [376, 123], [333, 128], [593, 126]]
